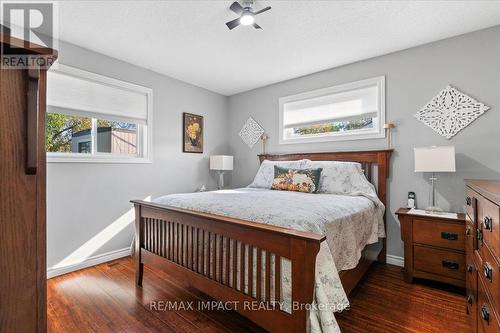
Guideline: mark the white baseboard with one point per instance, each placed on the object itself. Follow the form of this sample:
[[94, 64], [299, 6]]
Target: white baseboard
[[395, 260], [91, 261]]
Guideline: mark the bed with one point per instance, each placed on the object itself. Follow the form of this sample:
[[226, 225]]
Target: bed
[[241, 246]]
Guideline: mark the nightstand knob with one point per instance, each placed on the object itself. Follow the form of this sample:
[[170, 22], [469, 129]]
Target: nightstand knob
[[450, 264], [470, 269], [488, 271], [467, 231], [449, 236], [470, 299], [468, 201], [487, 223], [479, 234], [485, 314]]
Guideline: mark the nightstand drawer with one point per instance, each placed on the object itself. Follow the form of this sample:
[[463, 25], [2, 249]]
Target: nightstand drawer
[[442, 234], [488, 222], [441, 262]]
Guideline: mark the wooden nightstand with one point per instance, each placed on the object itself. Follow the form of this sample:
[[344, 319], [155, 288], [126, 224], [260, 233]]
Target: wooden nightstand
[[434, 247]]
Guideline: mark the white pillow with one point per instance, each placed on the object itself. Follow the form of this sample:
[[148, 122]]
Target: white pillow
[[265, 176], [339, 177]]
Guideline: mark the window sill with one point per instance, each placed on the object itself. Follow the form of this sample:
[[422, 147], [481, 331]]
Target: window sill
[[98, 159]]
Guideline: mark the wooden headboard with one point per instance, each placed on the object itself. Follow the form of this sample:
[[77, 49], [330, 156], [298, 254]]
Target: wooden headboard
[[367, 158]]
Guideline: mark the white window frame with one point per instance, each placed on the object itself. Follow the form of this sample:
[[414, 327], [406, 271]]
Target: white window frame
[[338, 136], [144, 132]]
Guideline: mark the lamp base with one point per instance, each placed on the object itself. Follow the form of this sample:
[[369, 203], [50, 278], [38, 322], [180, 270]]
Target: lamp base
[[434, 210], [221, 180]]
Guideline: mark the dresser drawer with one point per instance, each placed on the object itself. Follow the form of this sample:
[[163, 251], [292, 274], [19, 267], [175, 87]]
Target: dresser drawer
[[470, 274], [470, 204], [470, 238], [486, 316], [442, 234], [471, 292], [441, 262], [489, 223], [489, 270]]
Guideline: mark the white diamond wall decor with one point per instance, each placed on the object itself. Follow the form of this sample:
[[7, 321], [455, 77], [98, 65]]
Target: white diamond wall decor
[[450, 111], [250, 132]]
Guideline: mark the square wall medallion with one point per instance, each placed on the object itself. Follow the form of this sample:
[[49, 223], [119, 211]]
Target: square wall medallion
[[450, 111], [251, 132]]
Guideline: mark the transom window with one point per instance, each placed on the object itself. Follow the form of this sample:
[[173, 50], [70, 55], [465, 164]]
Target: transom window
[[93, 118], [349, 111]]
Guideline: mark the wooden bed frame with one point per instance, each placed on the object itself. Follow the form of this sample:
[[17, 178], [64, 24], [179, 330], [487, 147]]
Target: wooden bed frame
[[204, 250]]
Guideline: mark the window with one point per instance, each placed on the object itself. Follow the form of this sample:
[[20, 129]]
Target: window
[[84, 147], [92, 118], [346, 112]]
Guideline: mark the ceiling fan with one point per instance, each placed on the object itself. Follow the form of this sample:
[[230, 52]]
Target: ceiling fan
[[247, 15]]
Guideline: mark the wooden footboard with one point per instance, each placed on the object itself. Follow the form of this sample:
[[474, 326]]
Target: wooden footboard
[[214, 253]]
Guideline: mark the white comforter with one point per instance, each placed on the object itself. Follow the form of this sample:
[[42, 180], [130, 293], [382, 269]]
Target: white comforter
[[349, 222]]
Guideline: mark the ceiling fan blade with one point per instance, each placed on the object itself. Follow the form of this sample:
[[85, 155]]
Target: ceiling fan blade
[[256, 26], [236, 7], [233, 24], [262, 10]]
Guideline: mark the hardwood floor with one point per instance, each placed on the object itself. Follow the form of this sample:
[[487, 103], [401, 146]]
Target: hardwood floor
[[104, 299], [384, 303]]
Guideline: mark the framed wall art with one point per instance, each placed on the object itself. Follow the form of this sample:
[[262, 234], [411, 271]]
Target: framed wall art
[[192, 126]]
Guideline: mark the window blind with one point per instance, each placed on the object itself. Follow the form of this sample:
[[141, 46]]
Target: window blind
[[340, 106], [88, 96]]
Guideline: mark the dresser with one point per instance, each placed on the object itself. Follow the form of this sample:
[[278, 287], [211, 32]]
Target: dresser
[[434, 247], [482, 229], [22, 197]]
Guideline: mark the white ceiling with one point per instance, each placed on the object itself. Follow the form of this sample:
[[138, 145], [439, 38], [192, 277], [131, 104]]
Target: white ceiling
[[189, 41]]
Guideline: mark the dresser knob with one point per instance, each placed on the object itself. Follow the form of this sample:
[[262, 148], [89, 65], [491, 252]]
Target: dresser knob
[[468, 201], [479, 234], [485, 314], [470, 268], [467, 231], [488, 223], [488, 271], [470, 299]]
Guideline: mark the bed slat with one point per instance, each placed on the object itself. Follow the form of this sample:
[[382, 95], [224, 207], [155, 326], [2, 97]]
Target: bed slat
[[268, 278], [250, 270], [242, 267], [258, 294], [277, 281], [235, 262]]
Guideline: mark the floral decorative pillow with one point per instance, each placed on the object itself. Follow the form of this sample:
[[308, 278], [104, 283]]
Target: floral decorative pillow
[[299, 180], [265, 175]]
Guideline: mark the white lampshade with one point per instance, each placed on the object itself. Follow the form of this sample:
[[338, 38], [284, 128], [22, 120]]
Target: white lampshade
[[221, 162], [435, 159]]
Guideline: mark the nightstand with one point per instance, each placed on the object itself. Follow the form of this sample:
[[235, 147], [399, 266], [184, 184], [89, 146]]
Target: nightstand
[[434, 247]]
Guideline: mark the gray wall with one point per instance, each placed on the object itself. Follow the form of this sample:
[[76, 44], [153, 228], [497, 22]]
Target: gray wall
[[469, 62], [83, 199]]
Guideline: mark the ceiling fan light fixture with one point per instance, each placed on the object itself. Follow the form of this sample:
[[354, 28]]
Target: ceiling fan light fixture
[[247, 18]]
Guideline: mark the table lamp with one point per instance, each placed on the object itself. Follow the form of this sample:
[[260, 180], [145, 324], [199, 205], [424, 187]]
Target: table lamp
[[434, 159], [221, 163]]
